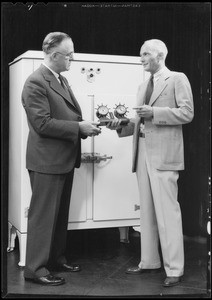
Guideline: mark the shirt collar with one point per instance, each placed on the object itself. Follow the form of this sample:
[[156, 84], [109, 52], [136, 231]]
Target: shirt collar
[[54, 73], [159, 73]]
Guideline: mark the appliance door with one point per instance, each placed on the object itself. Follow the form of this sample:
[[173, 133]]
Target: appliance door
[[115, 191]]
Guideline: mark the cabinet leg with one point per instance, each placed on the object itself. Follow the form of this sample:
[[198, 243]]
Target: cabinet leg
[[124, 234], [11, 237], [22, 237]]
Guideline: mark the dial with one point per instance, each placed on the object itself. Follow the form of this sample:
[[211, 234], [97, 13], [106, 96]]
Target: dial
[[102, 110], [120, 110]]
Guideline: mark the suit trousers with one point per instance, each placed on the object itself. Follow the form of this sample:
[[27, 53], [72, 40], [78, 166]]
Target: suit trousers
[[160, 216], [47, 222]]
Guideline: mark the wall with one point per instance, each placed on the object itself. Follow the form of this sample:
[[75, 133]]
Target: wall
[[120, 29]]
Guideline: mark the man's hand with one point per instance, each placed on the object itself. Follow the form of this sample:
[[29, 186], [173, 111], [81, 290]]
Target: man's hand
[[114, 124], [144, 111], [89, 128]]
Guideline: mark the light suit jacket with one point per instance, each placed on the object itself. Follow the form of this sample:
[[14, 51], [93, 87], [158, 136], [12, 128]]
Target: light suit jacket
[[172, 103], [54, 140]]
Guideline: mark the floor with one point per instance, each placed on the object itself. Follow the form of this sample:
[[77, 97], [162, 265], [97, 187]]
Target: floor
[[103, 260]]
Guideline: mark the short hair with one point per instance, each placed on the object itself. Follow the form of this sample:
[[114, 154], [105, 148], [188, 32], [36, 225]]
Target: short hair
[[53, 39], [158, 46]]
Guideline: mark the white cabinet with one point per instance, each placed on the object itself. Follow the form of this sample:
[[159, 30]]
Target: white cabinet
[[105, 190]]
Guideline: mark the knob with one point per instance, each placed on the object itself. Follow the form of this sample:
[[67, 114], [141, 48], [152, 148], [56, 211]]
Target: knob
[[136, 207]]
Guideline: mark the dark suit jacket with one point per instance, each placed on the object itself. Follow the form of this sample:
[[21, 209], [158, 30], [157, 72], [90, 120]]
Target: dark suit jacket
[[54, 141]]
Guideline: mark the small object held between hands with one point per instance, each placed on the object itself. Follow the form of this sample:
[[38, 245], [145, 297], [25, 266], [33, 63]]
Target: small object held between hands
[[103, 112]]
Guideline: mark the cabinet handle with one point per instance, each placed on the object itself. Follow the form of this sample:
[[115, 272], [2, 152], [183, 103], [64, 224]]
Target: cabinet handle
[[94, 157], [102, 158]]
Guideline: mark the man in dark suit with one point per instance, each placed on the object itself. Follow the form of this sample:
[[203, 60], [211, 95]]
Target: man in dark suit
[[53, 151]]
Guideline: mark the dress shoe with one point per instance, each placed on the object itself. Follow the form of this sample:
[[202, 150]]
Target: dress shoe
[[69, 268], [171, 281], [124, 241], [136, 270], [47, 280]]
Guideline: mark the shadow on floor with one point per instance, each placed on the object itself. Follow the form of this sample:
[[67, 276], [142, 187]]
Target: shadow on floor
[[104, 261]]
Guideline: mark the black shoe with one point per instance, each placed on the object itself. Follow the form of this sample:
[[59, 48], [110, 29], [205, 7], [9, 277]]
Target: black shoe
[[136, 270], [69, 268], [47, 280], [171, 281]]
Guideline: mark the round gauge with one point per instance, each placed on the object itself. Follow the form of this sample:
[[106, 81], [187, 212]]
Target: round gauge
[[121, 109], [103, 110]]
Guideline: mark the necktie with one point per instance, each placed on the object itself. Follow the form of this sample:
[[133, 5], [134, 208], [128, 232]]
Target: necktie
[[62, 83], [68, 91], [149, 90]]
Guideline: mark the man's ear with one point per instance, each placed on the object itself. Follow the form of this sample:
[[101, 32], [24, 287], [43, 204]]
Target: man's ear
[[53, 55], [160, 56]]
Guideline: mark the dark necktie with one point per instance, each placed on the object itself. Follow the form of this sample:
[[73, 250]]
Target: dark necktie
[[62, 83], [149, 90], [68, 91]]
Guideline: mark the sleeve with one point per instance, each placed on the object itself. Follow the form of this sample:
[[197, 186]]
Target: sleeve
[[36, 103], [127, 130]]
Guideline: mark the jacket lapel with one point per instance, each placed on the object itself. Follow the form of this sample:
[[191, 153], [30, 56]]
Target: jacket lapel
[[57, 87], [73, 98], [160, 86]]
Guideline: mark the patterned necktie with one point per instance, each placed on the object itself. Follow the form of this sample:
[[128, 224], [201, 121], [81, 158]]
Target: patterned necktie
[[149, 90]]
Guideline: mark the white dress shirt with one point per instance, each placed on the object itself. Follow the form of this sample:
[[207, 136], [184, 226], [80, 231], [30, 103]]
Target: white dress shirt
[[54, 73]]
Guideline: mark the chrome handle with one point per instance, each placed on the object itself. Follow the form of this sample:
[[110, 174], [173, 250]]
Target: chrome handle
[[87, 157], [94, 157], [102, 158]]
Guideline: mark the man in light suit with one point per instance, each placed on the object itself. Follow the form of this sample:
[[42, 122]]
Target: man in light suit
[[158, 156], [53, 152]]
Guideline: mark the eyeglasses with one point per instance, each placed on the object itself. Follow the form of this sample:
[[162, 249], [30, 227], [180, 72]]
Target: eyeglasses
[[67, 56]]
